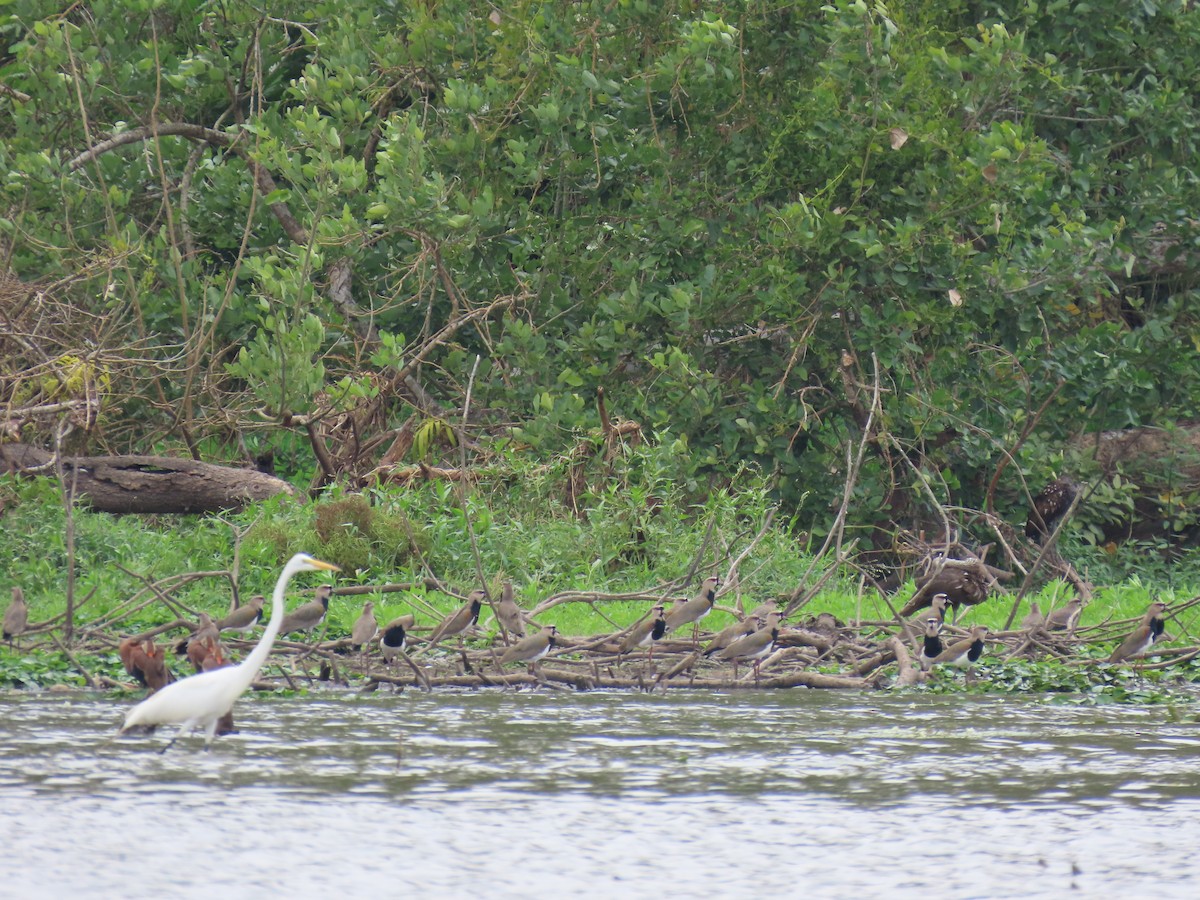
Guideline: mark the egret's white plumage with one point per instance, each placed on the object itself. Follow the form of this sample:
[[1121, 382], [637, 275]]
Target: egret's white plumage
[[200, 700]]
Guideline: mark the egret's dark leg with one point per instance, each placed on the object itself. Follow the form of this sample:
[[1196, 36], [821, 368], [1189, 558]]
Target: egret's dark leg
[[172, 741]]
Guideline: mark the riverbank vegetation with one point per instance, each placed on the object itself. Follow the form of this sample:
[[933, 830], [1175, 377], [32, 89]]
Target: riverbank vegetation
[[605, 296], [422, 549]]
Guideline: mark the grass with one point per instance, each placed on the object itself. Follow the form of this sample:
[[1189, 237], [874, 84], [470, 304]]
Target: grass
[[639, 532]]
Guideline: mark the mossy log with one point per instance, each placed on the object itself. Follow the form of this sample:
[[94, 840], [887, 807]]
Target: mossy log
[[147, 484]]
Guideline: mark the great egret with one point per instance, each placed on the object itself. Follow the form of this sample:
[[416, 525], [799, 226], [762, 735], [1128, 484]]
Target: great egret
[[200, 700]]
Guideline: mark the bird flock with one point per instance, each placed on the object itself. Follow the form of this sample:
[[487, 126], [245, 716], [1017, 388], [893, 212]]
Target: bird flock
[[758, 638]]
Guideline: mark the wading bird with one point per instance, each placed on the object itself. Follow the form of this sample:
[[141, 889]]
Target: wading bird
[[199, 701], [964, 652], [695, 609], [146, 662], [1065, 618], [365, 627], [509, 614], [931, 646], [214, 658], [461, 619], [754, 646], [245, 617], [915, 627], [731, 633], [647, 631], [529, 650], [394, 637], [1142, 638], [16, 617], [307, 616]]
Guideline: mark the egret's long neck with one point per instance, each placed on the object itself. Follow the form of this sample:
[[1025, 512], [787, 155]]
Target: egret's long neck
[[252, 663]]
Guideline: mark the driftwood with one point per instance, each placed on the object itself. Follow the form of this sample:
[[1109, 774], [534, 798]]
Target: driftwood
[[148, 484], [855, 658]]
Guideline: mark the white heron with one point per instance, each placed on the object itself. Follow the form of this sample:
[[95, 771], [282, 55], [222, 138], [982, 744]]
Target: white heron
[[200, 700]]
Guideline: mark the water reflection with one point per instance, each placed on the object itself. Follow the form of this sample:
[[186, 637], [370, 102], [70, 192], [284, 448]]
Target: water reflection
[[607, 795]]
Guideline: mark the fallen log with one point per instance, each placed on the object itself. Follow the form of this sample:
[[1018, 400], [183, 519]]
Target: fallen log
[[148, 484]]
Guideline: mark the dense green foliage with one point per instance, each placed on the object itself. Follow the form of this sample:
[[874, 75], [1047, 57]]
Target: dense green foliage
[[724, 213]]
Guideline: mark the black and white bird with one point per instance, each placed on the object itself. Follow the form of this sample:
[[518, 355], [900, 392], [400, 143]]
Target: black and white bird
[[732, 632], [931, 646], [754, 646], [964, 652], [915, 627], [645, 632], [394, 637]]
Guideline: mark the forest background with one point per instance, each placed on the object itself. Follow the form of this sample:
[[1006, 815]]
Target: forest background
[[884, 268]]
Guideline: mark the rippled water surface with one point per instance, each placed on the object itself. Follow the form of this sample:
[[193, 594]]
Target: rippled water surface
[[798, 793]]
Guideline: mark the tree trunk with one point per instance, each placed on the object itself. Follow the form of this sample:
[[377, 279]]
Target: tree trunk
[[148, 484]]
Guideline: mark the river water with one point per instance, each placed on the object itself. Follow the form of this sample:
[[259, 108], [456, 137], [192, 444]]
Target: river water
[[508, 794]]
